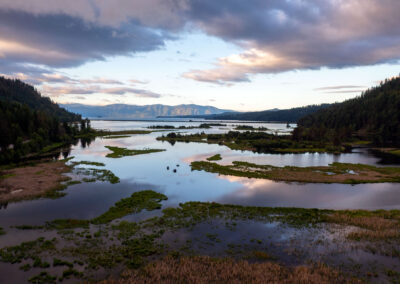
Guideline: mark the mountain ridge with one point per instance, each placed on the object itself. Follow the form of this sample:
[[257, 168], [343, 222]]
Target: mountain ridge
[[125, 111]]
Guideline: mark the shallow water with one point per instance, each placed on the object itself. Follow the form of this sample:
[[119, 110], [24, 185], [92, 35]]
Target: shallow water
[[149, 171]]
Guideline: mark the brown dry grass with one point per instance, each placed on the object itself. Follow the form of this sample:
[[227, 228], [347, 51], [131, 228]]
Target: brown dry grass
[[204, 269], [373, 228], [32, 181]]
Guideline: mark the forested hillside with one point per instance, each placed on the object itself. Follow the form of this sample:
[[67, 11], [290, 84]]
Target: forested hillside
[[375, 115], [18, 91], [285, 115], [30, 122]]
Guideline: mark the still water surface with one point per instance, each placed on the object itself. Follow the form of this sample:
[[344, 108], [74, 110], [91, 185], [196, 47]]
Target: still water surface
[[149, 171]]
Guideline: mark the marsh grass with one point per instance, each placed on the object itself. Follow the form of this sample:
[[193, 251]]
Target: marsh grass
[[116, 136], [138, 201], [372, 225], [89, 163], [216, 157], [132, 245], [118, 152], [97, 175], [204, 269], [102, 133], [341, 172], [256, 141]]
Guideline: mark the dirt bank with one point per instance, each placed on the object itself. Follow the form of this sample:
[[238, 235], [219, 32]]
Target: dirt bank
[[32, 181]]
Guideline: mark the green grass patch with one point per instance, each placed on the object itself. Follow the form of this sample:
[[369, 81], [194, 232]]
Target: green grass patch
[[138, 201], [89, 163], [102, 133], [334, 173], [116, 136], [257, 141], [5, 176], [118, 152], [97, 175], [216, 157]]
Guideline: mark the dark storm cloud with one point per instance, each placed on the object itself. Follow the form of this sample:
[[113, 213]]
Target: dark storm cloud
[[276, 35], [288, 35], [60, 40]]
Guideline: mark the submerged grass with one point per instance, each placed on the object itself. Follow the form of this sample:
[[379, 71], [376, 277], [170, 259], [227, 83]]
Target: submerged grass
[[129, 244], [118, 152], [89, 163], [334, 173], [98, 175]]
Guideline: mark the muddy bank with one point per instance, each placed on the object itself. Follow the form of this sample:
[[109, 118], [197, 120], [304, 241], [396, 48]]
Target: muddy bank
[[32, 181]]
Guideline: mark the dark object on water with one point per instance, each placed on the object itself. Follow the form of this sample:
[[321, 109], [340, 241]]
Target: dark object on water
[[174, 170], [168, 168], [177, 165]]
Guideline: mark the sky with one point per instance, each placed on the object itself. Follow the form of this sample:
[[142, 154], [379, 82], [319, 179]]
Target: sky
[[237, 55]]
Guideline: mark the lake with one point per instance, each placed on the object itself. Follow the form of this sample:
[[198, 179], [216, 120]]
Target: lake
[[149, 171]]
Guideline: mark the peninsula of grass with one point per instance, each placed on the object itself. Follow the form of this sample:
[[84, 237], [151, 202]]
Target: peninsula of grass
[[118, 152], [201, 126], [106, 133], [89, 163], [216, 157], [250, 128], [94, 174], [116, 136], [138, 201], [334, 173], [143, 200], [256, 141]]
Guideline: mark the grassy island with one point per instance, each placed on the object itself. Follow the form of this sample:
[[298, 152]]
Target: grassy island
[[118, 152], [334, 173]]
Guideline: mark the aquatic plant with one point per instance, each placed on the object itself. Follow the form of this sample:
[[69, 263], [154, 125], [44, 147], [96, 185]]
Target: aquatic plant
[[342, 173], [216, 157], [118, 152]]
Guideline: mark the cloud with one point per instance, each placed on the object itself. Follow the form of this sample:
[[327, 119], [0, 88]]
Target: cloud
[[279, 36], [275, 35], [345, 91], [339, 87], [54, 91], [135, 81], [100, 81], [68, 40]]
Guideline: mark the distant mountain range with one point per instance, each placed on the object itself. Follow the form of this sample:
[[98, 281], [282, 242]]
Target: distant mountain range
[[272, 115], [127, 112]]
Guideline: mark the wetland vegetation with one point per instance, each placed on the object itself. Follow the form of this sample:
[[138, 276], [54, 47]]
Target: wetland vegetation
[[216, 157], [260, 142], [334, 173], [93, 249], [118, 152]]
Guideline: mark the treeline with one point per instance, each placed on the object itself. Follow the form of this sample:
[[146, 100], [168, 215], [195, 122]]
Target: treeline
[[17, 91], [285, 115], [375, 116], [30, 123]]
